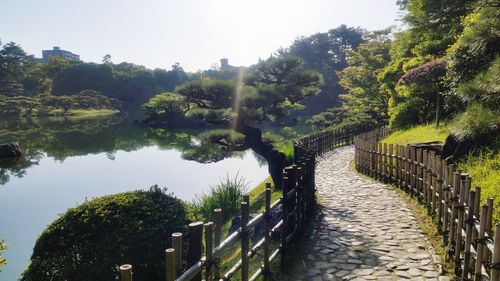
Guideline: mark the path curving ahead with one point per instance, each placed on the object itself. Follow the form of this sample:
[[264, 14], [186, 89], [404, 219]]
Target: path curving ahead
[[364, 230]]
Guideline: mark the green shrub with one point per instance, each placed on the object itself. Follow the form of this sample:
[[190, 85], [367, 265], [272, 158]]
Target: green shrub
[[166, 104], [88, 242], [406, 114], [225, 195], [477, 120]]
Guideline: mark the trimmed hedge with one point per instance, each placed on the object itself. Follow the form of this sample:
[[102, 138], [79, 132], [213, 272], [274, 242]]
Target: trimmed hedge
[[89, 242]]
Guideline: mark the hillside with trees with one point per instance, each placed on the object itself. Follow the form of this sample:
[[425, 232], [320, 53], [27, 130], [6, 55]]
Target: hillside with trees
[[30, 87]]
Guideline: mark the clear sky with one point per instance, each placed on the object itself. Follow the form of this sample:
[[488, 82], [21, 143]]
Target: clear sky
[[195, 33]]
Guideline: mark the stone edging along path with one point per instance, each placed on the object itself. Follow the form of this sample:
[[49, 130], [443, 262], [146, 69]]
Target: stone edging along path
[[363, 231]]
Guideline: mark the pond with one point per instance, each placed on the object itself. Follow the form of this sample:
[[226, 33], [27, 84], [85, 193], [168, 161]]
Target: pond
[[70, 160]]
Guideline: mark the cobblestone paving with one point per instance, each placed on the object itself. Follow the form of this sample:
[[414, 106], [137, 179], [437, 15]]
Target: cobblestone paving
[[364, 231]]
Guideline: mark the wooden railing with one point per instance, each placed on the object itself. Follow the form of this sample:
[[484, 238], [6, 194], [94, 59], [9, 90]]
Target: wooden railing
[[203, 256], [448, 195]]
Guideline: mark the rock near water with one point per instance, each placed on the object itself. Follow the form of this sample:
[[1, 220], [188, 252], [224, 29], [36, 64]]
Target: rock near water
[[10, 150]]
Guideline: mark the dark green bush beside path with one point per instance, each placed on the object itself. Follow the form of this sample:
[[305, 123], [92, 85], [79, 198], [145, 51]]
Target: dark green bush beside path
[[89, 241]]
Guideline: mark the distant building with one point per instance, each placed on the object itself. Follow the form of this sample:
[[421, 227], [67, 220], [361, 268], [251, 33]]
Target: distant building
[[56, 51], [224, 63]]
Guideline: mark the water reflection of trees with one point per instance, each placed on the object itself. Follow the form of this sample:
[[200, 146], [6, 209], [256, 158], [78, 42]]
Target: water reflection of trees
[[60, 138]]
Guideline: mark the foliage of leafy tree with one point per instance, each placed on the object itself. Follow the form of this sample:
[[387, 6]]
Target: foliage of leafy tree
[[477, 47], [26, 105], [484, 88], [365, 96], [166, 104], [269, 91], [13, 62], [326, 53], [88, 242]]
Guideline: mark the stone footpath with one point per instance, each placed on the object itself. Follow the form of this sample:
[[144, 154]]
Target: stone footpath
[[364, 231]]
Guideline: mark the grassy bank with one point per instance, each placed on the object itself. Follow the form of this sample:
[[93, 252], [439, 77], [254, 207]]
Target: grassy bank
[[80, 112], [483, 166], [422, 133]]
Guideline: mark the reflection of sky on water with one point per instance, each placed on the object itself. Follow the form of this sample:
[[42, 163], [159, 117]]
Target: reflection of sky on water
[[28, 204]]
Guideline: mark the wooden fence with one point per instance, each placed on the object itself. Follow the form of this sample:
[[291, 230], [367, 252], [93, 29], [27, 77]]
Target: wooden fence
[[203, 255], [447, 193]]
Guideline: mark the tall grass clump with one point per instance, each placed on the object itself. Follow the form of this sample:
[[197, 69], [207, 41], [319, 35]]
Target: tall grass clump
[[225, 195]]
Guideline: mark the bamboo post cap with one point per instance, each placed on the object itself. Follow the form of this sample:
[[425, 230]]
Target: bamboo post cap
[[194, 224], [176, 234], [125, 267], [218, 210], [169, 250]]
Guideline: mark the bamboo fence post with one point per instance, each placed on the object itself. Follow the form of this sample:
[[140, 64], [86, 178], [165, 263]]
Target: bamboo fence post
[[478, 202], [495, 264], [439, 186], [245, 242], [425, 156], [246, 198], [441, 198], [299, 196], [446, 197], [217, 239], [489, 224], [177, 245], [371, 160], [170, 264], [460, 214], [195, 248], [284, 226], [386, 167], [468, 234], [419, 174], [209, 249], [433, 184], [293, 181], [126, 272], [414, 164], [391, 163], [397, 165], [480, 244], [267, 228], [456, 187]]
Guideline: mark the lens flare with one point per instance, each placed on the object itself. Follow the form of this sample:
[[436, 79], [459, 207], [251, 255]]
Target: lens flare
[[237, 97]]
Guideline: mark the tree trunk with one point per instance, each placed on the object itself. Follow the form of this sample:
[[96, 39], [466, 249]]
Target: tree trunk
[[438, 105], [275, 159]]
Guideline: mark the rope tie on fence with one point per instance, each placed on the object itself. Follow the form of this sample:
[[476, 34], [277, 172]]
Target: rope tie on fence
[[215, 262], [481, 240], [495, 265], [470, 221], [244, 234]]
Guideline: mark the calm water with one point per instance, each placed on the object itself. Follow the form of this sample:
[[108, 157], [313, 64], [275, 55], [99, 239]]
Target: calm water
[[71, 160]]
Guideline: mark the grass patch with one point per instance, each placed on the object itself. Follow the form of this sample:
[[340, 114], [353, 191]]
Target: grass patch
[[258, 196], [484, 169], [81, 112], [421, 133]]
